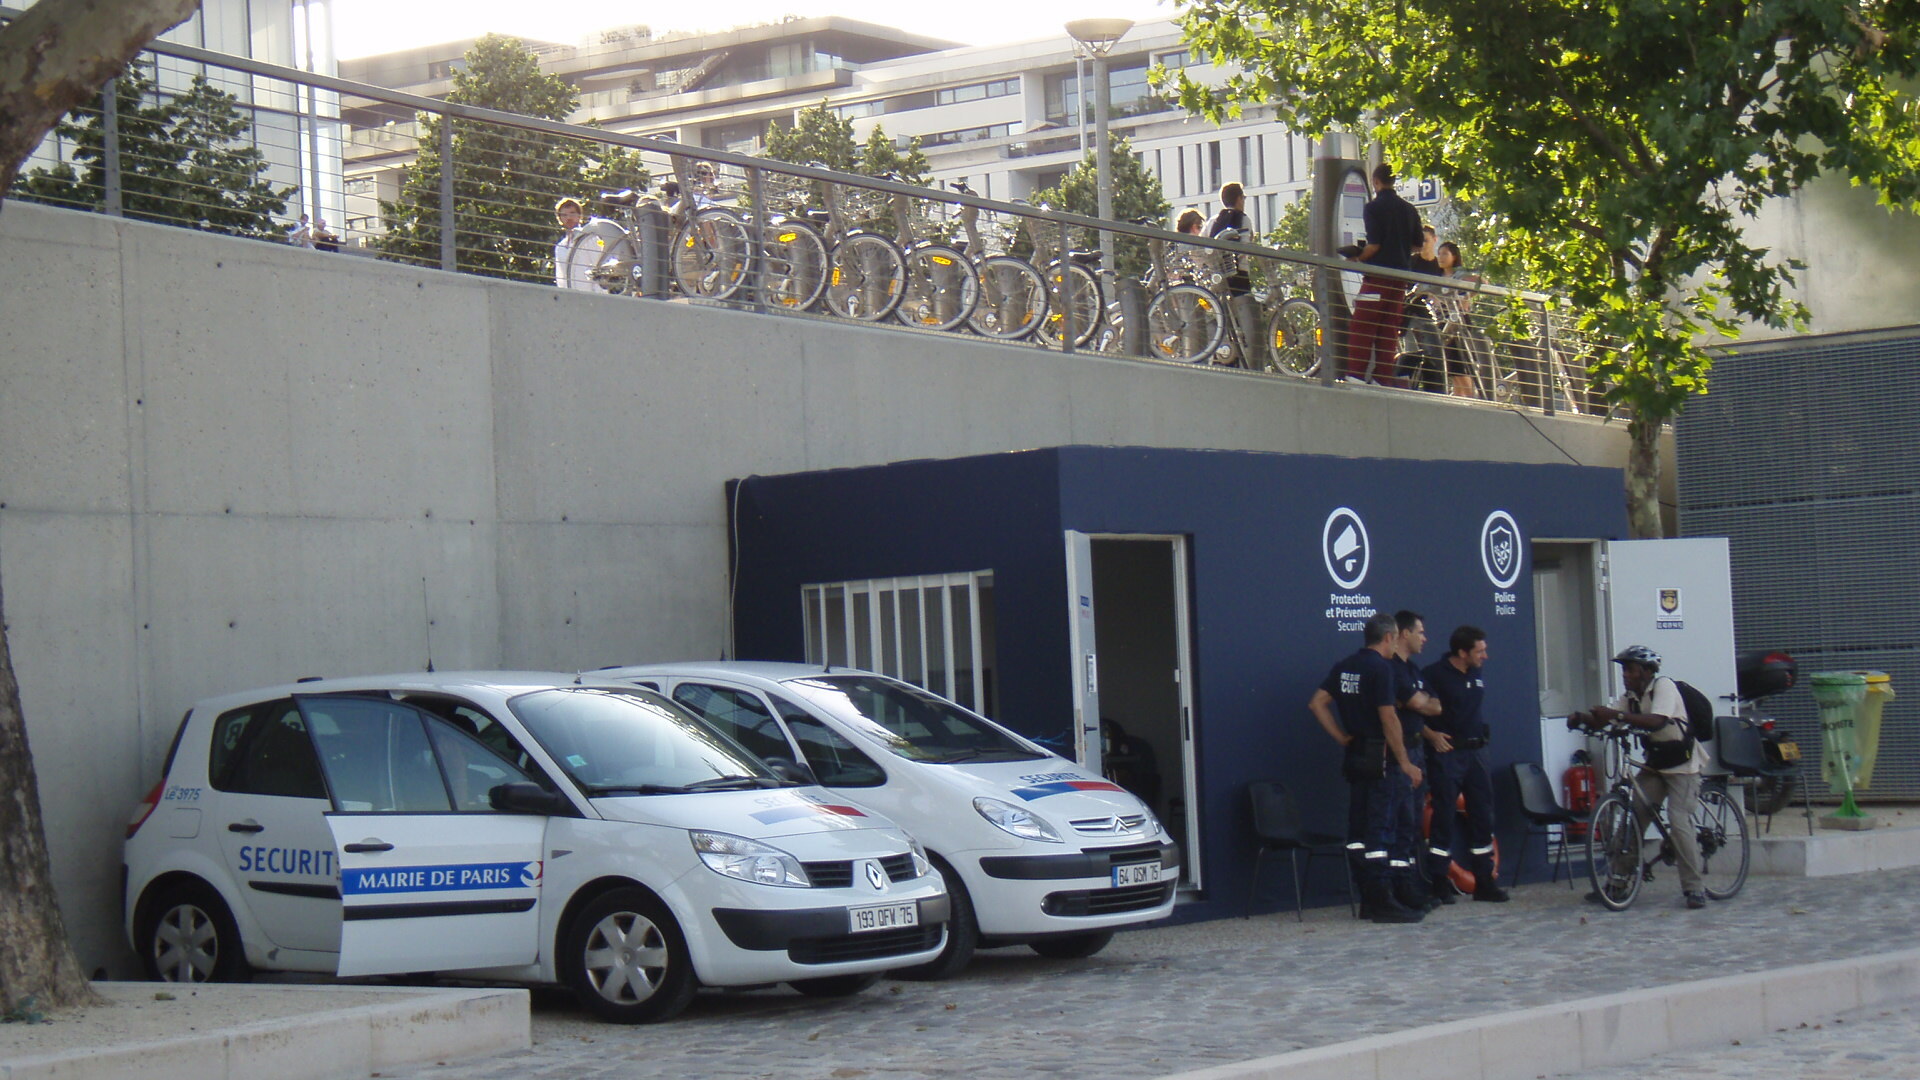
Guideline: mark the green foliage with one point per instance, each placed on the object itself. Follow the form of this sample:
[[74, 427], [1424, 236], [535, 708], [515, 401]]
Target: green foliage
[[505, 180], [1292, 231], [879, 157], [818, 137], [1136, 195], [185, 159], [1617, 150]]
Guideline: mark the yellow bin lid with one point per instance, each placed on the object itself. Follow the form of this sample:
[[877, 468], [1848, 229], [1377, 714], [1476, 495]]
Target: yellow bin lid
[[1873, 677]]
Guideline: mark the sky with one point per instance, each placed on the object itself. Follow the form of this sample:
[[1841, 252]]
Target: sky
[[367, 27]]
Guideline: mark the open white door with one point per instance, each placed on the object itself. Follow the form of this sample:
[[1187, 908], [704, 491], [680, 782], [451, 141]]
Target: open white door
[[1082, 648], [1676, 597], [437, 892]]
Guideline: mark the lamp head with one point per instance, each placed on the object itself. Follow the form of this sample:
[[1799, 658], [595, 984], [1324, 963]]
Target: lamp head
[[1099, 35]]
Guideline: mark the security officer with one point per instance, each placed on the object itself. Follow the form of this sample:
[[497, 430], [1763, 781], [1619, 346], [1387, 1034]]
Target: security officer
[[1415, 705], [1361, 688], [1459, 766]]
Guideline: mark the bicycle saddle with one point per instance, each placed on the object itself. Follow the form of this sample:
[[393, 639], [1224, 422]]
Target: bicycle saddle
[[624, 197], [816, 215], [1085, 258]]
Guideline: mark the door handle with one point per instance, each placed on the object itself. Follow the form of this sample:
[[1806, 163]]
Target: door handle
[[368, 845], [246, 827]]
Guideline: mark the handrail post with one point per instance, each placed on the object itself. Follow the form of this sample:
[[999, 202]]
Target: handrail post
[[1066, 284], [756, 256], [1548, 361], [449, 258], [110, 148]]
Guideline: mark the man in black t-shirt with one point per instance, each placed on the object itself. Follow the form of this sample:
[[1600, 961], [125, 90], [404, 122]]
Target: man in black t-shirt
[[1233, 218], [1415, 706], [1393, 231], [1461, 768], [1355, 707]]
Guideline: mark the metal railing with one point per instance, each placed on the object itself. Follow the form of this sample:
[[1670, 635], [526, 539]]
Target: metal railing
[[709, 226]]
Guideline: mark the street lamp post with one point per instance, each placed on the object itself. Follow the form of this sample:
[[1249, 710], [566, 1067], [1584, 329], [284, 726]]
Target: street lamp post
[[1098, 37]]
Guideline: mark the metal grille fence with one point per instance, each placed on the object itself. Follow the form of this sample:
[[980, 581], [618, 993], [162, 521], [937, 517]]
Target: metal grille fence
[[1803, 456], [224, 143]]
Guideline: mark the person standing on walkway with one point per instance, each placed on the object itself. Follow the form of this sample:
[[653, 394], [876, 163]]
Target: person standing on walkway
[[1653, 706], [1360, 690], [1457, 765], [576, 274], [1393, 230], [1232, 218], [1414, 705]]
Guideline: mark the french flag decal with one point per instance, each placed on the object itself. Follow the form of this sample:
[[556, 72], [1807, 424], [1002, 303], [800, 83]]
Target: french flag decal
[[1058, 787], [800, 810]]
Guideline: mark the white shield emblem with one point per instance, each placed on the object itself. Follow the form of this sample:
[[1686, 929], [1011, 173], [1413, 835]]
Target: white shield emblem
[[1502, 548]]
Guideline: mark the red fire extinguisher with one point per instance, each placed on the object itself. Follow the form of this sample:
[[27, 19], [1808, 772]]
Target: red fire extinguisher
[[1580, 785]]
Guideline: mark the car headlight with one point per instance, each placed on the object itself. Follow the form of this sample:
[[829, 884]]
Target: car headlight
[[749, 860], [1154, 828], [1020, 822], [921, 867]]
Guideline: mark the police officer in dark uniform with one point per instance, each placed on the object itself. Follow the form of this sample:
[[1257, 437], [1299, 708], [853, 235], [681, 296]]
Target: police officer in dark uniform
[[1375, 762], [1455, 681], [1415, 705]]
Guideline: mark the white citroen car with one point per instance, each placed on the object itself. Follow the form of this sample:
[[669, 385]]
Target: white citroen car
[[525, 827], [1035, 850]]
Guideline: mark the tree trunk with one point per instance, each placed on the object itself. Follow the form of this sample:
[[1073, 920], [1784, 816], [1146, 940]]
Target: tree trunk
[[1643, 479], [52, 58], [58, 54], [35, 960]]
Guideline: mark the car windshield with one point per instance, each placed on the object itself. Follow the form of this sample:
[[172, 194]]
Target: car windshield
[[911, 722], [635, 742]]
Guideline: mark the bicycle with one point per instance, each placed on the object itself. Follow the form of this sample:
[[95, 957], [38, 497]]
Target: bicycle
[[1618, 858], [866, 271], [1012, 300], [941, 288], [1187, 321]]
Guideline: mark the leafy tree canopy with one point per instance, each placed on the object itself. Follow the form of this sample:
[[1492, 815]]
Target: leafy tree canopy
[[185, 159], [1621, 148], [505, 180], [1137, 196]]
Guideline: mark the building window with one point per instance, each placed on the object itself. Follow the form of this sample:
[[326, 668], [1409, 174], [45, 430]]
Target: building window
[[360, 185], [1246, 161], [1179, 59], [954, 95], [1260, 156], [964, 135], [360, 224], [935, 631], [860, 110], [1292, 176], [1131, 94], [1213, 165], [444, 69], [1180, 158]]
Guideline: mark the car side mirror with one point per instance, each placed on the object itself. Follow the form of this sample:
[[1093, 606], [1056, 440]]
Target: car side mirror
[[527, 797], [790, 771]]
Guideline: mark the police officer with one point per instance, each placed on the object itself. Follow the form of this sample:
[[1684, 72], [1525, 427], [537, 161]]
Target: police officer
[[1415, 705], [1375, 763], [1458, 766]]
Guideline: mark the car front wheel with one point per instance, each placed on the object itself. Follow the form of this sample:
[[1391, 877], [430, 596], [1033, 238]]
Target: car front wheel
[[963, 933], [625, 958], [1072, 946]]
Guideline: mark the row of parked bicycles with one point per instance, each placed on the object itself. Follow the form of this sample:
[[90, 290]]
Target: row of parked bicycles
[[939, 265]]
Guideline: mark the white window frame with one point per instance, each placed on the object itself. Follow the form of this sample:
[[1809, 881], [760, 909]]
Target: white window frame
[[936, 625]]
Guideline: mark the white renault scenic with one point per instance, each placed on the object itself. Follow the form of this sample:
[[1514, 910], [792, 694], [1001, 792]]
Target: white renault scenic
[[1035, 849], [517, 826]]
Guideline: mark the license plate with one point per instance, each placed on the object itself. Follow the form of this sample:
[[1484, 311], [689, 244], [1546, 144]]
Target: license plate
[[882, 917], [1146, 873], [1789, 751]]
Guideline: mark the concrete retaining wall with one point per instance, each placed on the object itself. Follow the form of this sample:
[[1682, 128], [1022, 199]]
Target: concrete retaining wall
[[225, 464]]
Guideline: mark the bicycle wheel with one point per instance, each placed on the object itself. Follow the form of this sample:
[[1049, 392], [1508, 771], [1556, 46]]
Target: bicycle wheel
[[941, 288], [602, 254], [710, 255], [1184, 323], [1613, 852], [865, 277], [793, 266], [1082, 292], [1724, 853], [1013, 298], [1293, 339]]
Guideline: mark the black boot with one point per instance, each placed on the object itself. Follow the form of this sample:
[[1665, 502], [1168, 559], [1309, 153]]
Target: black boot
[[1383, 908], [1411, 893], [1443, 890], [1486, 887]]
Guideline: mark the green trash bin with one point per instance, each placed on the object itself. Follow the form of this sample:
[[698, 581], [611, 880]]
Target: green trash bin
[[1840, 695], [1867, 728]]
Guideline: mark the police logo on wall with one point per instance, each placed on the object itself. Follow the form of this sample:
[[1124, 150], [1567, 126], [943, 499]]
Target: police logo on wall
[[1500, 549], [1344, 547]]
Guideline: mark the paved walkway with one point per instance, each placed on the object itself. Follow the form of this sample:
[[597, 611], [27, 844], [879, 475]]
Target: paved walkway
[[1867, 1044], [1170, 1000]]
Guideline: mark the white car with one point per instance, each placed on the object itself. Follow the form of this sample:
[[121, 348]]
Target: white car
[[525, 827], [1034, 849]]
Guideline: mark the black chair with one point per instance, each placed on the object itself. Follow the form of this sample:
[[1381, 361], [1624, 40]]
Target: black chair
[[1276, 826], [1736, 744], [1542, 811]]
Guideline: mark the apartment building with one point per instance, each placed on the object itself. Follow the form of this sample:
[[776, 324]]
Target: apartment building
[[1006, 118]]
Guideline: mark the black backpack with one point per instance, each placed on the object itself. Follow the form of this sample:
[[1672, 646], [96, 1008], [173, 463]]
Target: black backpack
[[1699, 711]]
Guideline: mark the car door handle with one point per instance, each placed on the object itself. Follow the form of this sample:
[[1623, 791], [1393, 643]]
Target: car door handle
[[246, 827], [368, 845]]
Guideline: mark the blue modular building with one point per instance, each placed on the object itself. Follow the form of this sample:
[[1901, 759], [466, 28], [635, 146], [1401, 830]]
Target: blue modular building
[[1165, 614]]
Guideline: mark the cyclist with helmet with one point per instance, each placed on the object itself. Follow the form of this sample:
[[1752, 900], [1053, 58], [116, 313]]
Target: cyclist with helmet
[[1653, 706]]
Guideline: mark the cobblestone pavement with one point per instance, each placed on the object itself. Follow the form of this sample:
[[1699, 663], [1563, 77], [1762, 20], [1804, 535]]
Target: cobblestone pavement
[[1866, 1044], [1167, 1000]]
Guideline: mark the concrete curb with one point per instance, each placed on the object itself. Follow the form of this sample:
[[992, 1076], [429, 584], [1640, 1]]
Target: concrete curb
[[1601, 1031], [419, 1025]]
